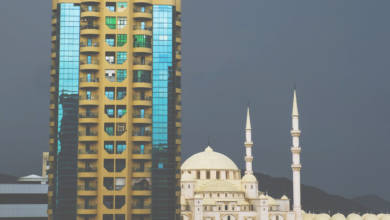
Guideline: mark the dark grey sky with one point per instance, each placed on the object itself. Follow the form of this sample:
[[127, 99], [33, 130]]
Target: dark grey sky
[[337, 52]]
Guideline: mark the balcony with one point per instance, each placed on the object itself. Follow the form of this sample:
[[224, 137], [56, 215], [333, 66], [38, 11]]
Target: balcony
[[142, 119], [86, 210], [142, 101], [141, 209], [178, 23], [144, 136], [139, 65], [142, 172], [88, 136], [89, 65], [142, 30], [178, 55], [88, 82], [89, 48], [90, 1], [143, 2], [178, 40], [88, 117], [87, 155], [90, 11], [86, 191], [89, 30], [142, 85], [88, 100], [143, 13]]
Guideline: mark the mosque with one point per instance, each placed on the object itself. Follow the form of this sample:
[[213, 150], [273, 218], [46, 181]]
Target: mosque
[[212, 187]]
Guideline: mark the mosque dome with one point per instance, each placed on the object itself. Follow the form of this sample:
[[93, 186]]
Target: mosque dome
[[338, 216], [249, 178], [384, 217], [354, 216], [370, 217], [308, 216], [209, 160], [322, 217]]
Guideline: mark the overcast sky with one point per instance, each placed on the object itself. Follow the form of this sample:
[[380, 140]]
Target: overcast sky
[[235, 52]]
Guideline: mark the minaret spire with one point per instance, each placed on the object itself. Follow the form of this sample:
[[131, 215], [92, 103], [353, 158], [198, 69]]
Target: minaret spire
[[248, 145], [296, 163]]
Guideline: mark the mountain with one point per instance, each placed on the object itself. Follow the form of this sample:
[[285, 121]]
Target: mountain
[[318, 201], [4, 178], [373, 202]]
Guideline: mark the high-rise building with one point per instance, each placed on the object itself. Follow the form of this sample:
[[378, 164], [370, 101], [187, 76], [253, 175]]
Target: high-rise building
[[115, 110]]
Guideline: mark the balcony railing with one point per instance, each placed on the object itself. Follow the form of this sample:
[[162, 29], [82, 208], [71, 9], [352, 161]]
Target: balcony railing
[[93, 44], [87, 169], [144, 169], [92, 97], [90, 8], [145, 98], [87, 151], [141, 206], [88, 115], [86, 206], [139, 62], [145, 151], [89, 62], [87, 188], [90, 26], [142, 133], [86, 79], [143, 10], [141, 27], [142, 116], [91, 133]]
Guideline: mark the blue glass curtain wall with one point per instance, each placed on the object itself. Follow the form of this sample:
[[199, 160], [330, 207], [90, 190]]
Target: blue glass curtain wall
[[67, 130], [163, 136]]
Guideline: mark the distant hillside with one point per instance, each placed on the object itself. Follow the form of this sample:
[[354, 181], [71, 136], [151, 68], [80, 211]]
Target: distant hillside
[[4, 178], [316, 200], [373, 202]]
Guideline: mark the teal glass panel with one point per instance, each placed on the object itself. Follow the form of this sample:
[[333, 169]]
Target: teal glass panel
[[121, 57], [121, 75]]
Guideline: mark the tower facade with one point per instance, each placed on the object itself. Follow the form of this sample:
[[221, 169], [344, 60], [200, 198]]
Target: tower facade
[[115, 109], [296, 163]]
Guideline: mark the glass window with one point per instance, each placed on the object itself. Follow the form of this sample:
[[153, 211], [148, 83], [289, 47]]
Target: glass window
[[110, 75], [121, 75], [122, 39], [142, 41], [142, 149], [109, 129], [120, 164], [111, 22], [141, 76], [111, 6], [120, 147], [89, 59], [119, 183], [122, 21], [108, 201], [121, 93], [109, 147], [121, 57], [109, 110], [108, 182], [110, 57], [121, 110], [110, 93], [109, 165], [119, 202], [122, 6], [110, 40]]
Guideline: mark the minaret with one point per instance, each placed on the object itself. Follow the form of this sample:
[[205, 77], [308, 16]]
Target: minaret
[[296, 163], [248, 145]]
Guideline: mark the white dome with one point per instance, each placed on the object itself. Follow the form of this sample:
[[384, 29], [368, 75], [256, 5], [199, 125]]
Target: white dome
[[338, 216], [209, 160], [249, 178], [354, 216], [322, 216], [370, 217]]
